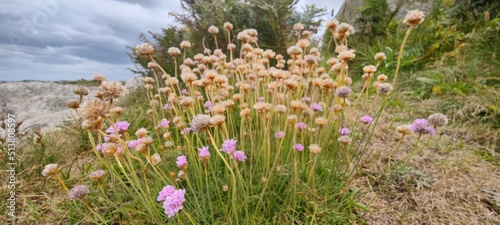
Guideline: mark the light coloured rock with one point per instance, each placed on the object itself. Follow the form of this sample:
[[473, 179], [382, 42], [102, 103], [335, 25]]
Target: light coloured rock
[[40, 105], [134, 83]]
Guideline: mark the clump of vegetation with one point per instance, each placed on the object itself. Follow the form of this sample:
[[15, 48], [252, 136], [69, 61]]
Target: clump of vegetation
[[233, 137]]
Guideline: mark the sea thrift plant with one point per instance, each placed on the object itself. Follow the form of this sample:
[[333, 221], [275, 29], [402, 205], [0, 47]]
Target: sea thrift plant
[[269, 138]]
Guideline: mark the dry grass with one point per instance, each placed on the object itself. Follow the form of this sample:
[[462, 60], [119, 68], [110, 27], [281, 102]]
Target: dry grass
[[446, 183]]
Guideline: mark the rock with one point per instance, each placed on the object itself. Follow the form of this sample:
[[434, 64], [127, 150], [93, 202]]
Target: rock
[[40, 105], [134, 83]]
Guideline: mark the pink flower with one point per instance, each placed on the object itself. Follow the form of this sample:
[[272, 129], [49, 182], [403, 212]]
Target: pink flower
[[122, 127], [298, 147], [166, 107], [301, 125], [204, 154], [316, 107], [184, 92], [165, 192], [239, 156], [366, 119], [306, 99], [173, 200], [164, 123], [186, 130], [261, 99], [100, 147], [132, 143], [229, 146], [345, 131], [422, 126], [279, 134], [208, 104], [182, 162]]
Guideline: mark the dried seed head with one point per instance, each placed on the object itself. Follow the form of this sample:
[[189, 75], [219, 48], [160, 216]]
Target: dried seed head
[[332, 24], [438, 120], [414, 17], [78, 192], [217, 120], [200, 122], [99, 78], [384, 88], [346, 55], [144, 49], [314, 148], [174, 51], [50, 169], [111, 89], [403, 129], [81, 90], [344, 139], [343, 92], [298, 26], [228, 26], [213, 30], [185, 44], [97, 175], [155, 159], [73, 104], [380, 56]]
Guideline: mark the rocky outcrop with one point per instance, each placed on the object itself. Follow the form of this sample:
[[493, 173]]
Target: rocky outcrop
[[42, 105], [350, 10]]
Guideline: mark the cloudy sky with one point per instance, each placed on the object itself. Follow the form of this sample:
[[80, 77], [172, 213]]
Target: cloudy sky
[[70, 40]]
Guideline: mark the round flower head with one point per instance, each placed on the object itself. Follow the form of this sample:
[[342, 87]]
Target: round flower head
[[78, 192], [316, 107], [301, 125], [204, 154], [173, 203], [173, 51], [344, 131], [343, 91], [155, 159], [298, 27], [366, 119], [144, 49], [97, 175], [200, 122], [239, 156], [228, 26], [344, 139], [403, 129], [81, 90], [121, 126], [422, 126], [279, 135], [111, 89], [213, 30], [414, 17], [73, 104], [50, 169], [165, 192], [229, 146], [384, 88], [185, 44], [314, 148], [298, 147], [99, 78], [380, 56], [182, 162], [438, 120]]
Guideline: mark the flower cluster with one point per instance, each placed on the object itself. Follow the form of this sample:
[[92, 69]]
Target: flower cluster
[[172, 198]]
